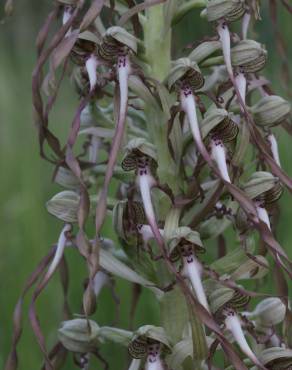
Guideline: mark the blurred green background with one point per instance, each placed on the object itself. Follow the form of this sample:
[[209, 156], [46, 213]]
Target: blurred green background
[[26, 229]]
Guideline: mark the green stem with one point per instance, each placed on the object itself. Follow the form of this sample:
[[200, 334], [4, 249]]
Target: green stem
[[157, 40]]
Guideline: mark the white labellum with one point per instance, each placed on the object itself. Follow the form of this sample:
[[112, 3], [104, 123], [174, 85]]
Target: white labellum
[[274, 149], [233, 324], [218, 153], [192, 269], [91, 65]]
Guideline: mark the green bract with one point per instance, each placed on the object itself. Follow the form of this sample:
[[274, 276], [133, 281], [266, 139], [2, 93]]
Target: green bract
[[271, 111]]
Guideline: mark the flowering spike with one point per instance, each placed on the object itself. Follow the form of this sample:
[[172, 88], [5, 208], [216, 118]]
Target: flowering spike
[[274, 149], [233, 324], [218, 152], [91, 65]]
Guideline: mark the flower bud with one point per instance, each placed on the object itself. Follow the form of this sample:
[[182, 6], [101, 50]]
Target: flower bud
[[263, 186], [249, 56], [229, 10], [66, 178], [269, 312], [79, 335], [64, 206], [276, 358], [271, 111], [185, 72]]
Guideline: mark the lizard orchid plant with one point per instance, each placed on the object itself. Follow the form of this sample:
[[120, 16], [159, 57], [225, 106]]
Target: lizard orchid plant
[[176, 159]]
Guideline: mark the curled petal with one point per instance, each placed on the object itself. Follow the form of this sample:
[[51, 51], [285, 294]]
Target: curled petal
[[100, 280], [145, 182], [224, 34], [245, 24], [193, 270], [233, 324], [274, 149], [59, 251], [263, 215], [91, 65], [218, 153], [240, 81]]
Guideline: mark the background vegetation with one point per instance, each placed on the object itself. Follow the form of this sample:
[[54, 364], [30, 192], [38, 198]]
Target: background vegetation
[[26, 229]]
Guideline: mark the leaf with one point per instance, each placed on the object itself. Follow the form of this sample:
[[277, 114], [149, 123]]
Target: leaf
[[118, 268]]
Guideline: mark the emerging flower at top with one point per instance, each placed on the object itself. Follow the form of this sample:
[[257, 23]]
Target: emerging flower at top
[[151, 342], [219, 128], [185, 243]]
